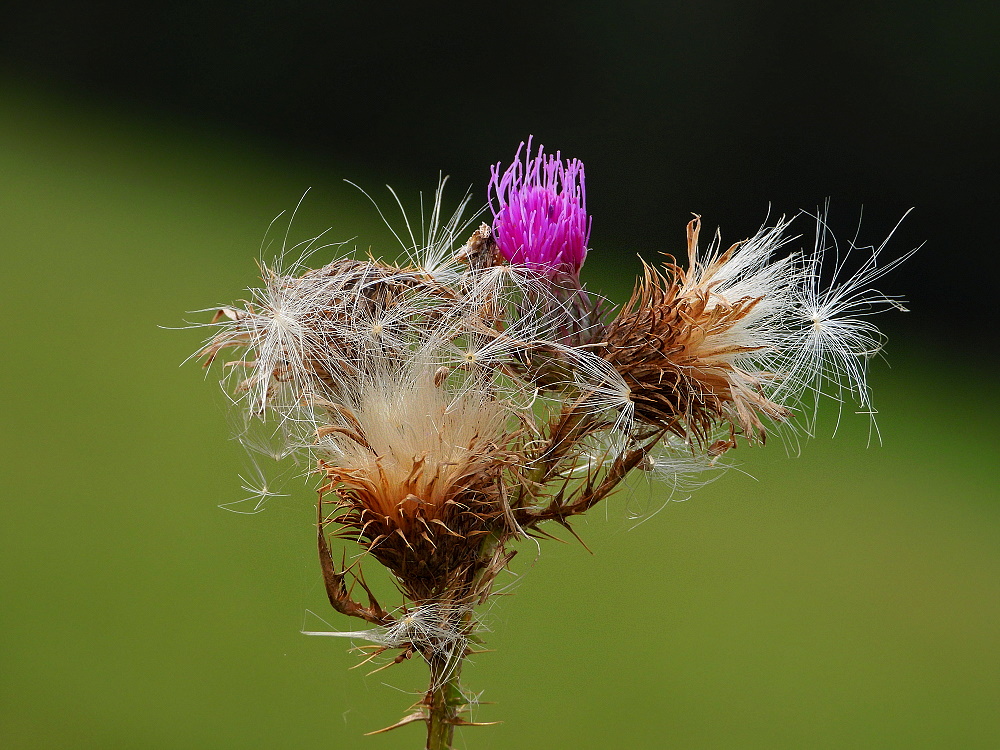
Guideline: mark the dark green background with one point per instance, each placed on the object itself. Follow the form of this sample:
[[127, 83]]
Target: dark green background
[[849, 597]]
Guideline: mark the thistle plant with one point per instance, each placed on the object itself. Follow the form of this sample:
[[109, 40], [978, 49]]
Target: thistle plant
[[475, 394]]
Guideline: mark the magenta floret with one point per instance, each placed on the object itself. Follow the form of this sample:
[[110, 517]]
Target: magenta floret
[[540, 212]]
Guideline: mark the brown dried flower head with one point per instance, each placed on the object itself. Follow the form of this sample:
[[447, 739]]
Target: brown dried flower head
[[680, 344]]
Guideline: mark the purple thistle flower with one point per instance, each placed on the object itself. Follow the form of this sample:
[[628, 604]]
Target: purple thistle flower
[[540, 212]]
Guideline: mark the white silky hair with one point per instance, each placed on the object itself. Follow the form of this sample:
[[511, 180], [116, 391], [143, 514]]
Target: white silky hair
[[404, 417], [432, 248], [829, 341], [433, 628], [806, 338]]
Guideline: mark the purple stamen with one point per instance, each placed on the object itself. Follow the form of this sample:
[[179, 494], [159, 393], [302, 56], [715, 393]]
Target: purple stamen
[[540, 212]]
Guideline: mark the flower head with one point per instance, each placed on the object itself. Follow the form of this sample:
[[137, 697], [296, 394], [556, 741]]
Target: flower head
[[540, 212], [685, 342]]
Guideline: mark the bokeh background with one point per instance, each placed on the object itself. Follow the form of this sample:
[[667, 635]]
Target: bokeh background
[[847, 597]]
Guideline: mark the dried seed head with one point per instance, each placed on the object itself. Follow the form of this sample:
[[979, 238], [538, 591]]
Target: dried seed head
[[677, 343], [418, 472]]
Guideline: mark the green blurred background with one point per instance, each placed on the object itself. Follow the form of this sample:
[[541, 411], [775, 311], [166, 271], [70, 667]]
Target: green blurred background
[[849, 597]]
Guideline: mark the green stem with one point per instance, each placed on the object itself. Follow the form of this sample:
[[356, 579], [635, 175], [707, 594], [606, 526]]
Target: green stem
[[444, 702]]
